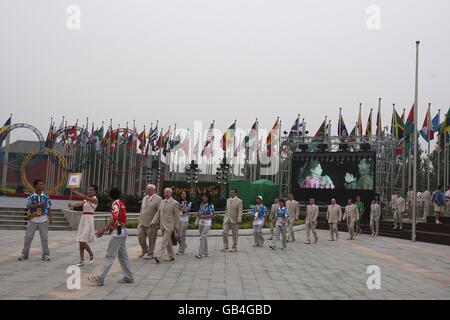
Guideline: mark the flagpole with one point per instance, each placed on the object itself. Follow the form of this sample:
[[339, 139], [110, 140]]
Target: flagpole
[[6, 159], [416, 107], [429, 143], [439, 151]]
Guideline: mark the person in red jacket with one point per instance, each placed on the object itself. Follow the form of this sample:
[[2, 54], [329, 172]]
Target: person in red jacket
[[117, 242]]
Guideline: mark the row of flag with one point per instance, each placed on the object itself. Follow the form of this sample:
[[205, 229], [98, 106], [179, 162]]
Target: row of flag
[[167, 141]]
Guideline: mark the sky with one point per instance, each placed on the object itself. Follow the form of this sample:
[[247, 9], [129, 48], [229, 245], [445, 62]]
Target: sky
[[178, 61]]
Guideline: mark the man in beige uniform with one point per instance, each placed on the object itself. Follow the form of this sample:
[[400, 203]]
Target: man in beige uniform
[[409, 202], [375, 214], [231, 220], [350, 216], [273, 217], [150, 204], [334, 216], [427, 202], [167, 217], [399, 208], [293, 209], [312, 212]]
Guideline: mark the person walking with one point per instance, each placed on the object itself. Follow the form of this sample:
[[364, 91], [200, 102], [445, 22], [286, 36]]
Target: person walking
[[167, 218], [272, 217], [334, 216], [259, 211], [86, 227], [204, 219], [399, 208], [185, 207], [293, 209], [117, 242], [39, 217], [312, 213], [350, 216], [280, 228], [375, 214], [231, 220], [439, 203], [360, 206], [427, 203], [149, 207]]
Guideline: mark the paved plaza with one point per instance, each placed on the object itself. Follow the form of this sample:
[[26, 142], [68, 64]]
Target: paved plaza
[[327, 270]]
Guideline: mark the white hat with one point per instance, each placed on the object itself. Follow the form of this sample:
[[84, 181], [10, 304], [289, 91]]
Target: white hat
[[260, 197]]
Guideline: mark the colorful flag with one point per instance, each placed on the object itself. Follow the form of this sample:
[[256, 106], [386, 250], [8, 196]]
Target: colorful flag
[[369, 125], [209, 140], [153, 136], [295, 129], [184, 146], [272, 134], [342, 129], [142, 138], [435, 123], [227, 137], [6, 126], [251, 136], [72, 133], [360, 127], [409, 125], [445, 126], [398, 128], [321, 131], [427, 132], [49, 142], [379, 126]]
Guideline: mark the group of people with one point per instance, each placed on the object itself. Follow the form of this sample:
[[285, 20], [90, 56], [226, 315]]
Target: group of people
[[438, 201], [171, 217]]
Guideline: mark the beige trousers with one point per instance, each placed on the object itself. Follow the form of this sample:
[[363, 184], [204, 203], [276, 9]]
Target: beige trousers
[[145, 233], [311, 227], [334, 235], [234, 227], [291, 236], [166, 244]]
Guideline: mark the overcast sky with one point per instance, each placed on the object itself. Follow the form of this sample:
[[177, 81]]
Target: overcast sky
[[185, 60]]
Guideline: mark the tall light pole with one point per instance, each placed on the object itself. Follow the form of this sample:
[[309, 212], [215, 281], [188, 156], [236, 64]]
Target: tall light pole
[[416, 107]]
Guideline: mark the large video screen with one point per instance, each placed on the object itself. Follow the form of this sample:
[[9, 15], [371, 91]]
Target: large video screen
[[333, 174]]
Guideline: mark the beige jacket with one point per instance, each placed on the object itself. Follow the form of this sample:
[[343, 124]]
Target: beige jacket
[[168, 214], [149, 208], [334, 213], [427, 198], [312, 212], [351, 212], [375, 211], [400, 204], [233, 211], [293, 209]]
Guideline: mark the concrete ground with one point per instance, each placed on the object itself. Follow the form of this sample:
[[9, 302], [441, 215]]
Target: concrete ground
[[327, 270]]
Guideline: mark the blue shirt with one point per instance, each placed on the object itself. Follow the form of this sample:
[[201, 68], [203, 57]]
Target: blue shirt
[[438, 198], [206, 209], [185, 208], [281, 213], [258, 214], [34, 198]]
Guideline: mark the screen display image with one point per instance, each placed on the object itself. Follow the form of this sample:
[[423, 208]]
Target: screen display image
[[335, 173], [342, 175]]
